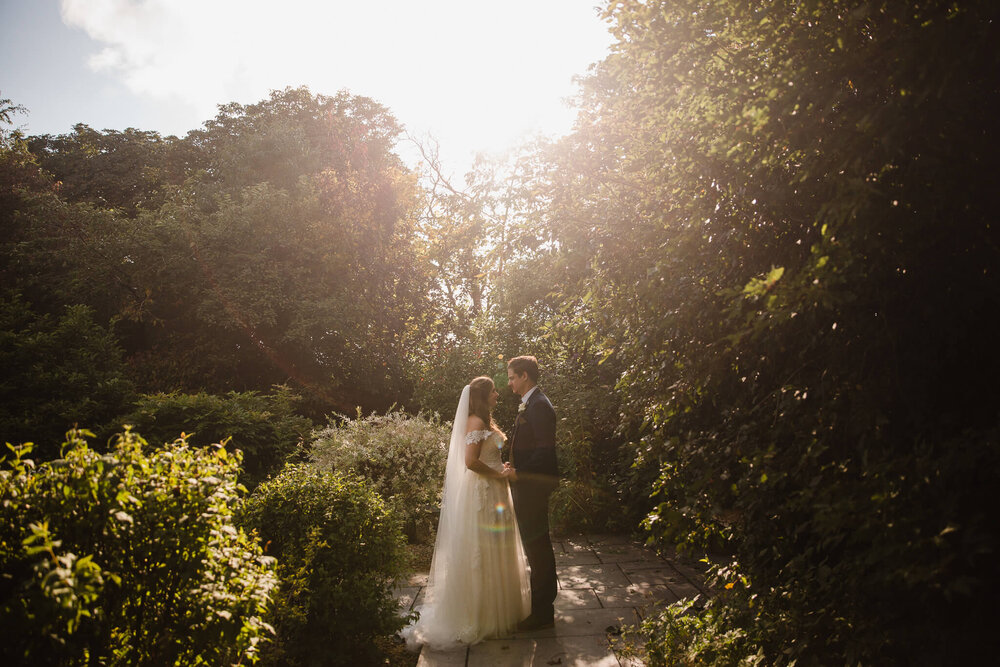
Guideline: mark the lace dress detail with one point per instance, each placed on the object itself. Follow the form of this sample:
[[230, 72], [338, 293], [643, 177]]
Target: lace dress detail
[[473, 437]]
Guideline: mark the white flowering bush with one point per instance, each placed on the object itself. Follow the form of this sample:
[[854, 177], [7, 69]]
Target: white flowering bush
[[403, 456]]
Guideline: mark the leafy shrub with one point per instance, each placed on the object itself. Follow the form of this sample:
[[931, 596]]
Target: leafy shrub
[[587, 499], [128, 558], [339, 549], [683, 634], [264, 427], [402, 456], [595, 490], [58, 371]]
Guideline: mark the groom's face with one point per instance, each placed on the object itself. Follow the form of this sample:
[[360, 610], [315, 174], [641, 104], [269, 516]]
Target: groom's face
[[516, 382]]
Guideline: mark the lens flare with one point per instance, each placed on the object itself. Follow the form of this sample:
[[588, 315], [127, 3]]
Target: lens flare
[[499, 522]]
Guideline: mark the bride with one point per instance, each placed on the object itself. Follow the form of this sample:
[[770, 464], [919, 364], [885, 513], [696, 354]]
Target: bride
[[478, 585]]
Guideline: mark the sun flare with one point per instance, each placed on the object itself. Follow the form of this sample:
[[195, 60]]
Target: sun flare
[[474, 76]]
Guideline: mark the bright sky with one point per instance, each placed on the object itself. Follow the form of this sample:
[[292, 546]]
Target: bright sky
[[478, 75]]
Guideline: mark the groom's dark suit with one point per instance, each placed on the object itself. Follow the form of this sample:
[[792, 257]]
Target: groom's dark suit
[[533, 456]]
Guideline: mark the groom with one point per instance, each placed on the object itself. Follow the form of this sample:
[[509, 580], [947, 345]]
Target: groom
[[534, 477]]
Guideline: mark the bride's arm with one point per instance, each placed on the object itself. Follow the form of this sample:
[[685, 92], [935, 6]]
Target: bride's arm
[[473, 463], [473, 449]]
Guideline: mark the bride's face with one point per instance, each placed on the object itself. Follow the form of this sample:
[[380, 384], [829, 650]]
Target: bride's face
[[494, 395]]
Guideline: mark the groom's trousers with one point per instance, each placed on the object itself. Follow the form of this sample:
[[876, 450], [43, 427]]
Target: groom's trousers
[[531, 506]]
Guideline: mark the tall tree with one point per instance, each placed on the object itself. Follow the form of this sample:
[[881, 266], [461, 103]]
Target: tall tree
[[786, 212], [290, 258], [125, 170]]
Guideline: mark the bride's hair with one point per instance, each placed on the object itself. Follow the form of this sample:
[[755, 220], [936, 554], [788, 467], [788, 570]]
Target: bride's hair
[[480, 389]]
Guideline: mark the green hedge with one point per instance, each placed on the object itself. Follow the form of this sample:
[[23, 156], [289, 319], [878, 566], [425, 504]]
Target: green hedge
[[128, 558], [59, 370], [339, 549], [264, 427]]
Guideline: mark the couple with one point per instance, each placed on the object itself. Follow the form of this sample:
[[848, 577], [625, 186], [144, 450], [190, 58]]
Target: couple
[[478, 585]]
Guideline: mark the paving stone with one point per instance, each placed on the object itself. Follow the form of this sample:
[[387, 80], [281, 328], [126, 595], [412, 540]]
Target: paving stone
[[582, 557], [660, 573], [432, 658], [575, 544], [651, 563], [583, 622], [590, 576], [417, 579], [576, 598], [685, 590], [584, 651], [691, 573], [625, 553], [680, 586], [611, 539], [634, 595]]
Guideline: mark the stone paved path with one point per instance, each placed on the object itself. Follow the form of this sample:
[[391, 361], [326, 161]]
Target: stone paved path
[[605, 581]]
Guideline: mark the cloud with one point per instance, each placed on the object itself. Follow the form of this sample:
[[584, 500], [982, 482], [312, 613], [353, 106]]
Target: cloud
[[474, 73]]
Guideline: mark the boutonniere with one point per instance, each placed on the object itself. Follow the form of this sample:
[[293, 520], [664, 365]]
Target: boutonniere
[[522, 407]]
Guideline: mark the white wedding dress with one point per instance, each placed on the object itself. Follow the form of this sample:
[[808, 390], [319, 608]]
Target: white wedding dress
[[478, 585]]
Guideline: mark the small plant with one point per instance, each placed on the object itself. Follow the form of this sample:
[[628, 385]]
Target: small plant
[[684, 634], [339, 549]]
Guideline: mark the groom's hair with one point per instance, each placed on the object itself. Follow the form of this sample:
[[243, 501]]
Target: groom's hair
[[525, 364]]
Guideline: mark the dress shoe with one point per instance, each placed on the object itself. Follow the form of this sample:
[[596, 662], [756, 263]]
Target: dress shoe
[[535, 623]]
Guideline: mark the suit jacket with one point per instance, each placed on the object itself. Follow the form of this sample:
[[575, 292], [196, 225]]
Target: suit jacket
[[533, 443]]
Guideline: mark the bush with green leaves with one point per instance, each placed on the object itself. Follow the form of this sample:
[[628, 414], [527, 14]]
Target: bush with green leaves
[[264, 427], [339, 549], [128, 558], [401, 455], [689, 633], [59, 370]]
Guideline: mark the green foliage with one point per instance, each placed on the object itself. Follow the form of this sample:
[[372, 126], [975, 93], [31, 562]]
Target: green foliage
[[125, 170], [402, 457], [18, 167], [264, 427], [788, 254], [285, 229], [685, 634], [295, 250], [339, 549], [58, 371], [597, 492], [439, 369], [128, 558]]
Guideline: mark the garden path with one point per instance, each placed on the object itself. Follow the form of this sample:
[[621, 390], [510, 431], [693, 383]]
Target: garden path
[[605, 581]]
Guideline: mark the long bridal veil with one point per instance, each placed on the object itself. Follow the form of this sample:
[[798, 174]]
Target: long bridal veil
[[453, 586], [478, 584]]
